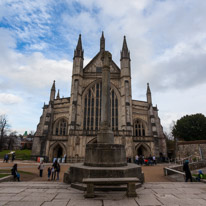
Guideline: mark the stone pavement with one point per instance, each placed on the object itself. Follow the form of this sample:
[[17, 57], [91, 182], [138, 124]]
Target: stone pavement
[[60, 194]]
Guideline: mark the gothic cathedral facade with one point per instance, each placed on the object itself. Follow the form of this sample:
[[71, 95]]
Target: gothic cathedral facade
[[68, 124]]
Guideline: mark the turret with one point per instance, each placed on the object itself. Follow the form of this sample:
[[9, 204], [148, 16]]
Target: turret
[[125, 59], [125, 54], [79, 52], [78, 58], [76, 87], [102, 42], [149, 95], [53, 91], [126, 92], [58, 96]]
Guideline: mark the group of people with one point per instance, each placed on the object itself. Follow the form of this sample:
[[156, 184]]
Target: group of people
[[141, 160], [52, 172], [6, 157]]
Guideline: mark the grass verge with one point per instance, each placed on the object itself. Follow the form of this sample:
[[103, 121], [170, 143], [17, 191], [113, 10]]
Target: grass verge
[[20, 154], [4, 175], [19, 171]]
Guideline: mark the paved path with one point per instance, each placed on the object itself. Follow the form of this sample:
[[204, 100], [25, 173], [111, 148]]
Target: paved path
[[60, 194]]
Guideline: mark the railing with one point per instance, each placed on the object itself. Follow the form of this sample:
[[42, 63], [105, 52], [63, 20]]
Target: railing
[[169, 171], [191, 158]]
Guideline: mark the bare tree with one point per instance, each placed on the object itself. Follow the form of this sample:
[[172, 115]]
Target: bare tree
[[3, 128]]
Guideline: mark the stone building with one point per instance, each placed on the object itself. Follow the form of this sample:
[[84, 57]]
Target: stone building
[[68, 124]]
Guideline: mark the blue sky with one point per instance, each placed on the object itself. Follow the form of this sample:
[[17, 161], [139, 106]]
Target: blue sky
[[166, 39]]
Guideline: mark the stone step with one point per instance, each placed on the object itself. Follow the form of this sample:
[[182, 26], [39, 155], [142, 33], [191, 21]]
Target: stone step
[[82, 186]]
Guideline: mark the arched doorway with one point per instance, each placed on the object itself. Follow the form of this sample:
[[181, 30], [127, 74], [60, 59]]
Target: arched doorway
[[143, 150], [139, 151], [58, 152]]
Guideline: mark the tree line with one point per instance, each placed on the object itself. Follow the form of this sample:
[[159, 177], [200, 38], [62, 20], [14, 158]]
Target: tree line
[[7, 136]]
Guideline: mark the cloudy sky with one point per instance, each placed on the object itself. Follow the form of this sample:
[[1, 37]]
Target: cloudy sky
[[166, 39]]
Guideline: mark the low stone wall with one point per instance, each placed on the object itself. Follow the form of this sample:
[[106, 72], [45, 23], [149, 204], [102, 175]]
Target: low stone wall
[[7, 178]]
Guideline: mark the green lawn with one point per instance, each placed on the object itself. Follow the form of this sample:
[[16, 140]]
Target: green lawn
[[4, 175], [20, 154], [19, 171]]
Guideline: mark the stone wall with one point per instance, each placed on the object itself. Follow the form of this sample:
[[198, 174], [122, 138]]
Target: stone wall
[[194, 148]]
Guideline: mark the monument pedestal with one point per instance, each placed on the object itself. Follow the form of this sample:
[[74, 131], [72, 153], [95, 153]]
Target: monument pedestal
[[103, 161], [105, 155], [78, 171]]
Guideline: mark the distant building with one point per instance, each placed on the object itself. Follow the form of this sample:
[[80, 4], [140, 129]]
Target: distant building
[[68, 124]]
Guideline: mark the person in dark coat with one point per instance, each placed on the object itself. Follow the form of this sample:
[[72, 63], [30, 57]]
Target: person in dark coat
[[186, 169], [15, 173], [58, 170], [13, 157], [55, 169]]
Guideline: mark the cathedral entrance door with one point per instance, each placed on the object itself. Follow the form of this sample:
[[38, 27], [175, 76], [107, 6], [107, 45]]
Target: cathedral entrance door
[[139, 151], [57, 152], [143, 150]]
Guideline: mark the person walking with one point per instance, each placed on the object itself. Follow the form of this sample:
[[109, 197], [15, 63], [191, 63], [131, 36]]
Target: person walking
[[154, 159], [41, 168], [4, 158], [49, 173], [186, 169], [53, 173], [7, 158], [137, 159], [58, 170], [13, 157], [15, 173], [55, 169]]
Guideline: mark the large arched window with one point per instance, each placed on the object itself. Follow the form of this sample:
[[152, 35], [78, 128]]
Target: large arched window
[[92, 108], [61, 127], [139, 129]]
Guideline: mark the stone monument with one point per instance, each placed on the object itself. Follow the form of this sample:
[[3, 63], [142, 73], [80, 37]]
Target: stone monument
[[104, 159]]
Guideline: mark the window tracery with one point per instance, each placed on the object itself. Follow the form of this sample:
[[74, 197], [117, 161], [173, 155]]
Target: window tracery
[[92, 108], [61, 127], [139, 128]]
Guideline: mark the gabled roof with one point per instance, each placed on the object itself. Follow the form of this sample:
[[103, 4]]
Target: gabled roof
[[95, 59]]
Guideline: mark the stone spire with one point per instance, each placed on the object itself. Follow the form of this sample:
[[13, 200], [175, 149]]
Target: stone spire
[[125, 52], [78, 52], [53, 91], [149, 94], [102, 42], [58, 96]]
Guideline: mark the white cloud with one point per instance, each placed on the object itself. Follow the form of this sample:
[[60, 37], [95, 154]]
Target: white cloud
[[9, 98], [30, 71]]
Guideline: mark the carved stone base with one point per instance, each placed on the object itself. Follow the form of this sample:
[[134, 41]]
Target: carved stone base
[[105, 155], [78, 171]]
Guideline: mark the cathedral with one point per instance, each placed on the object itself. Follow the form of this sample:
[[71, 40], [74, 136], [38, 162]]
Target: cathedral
[[67, 124]]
